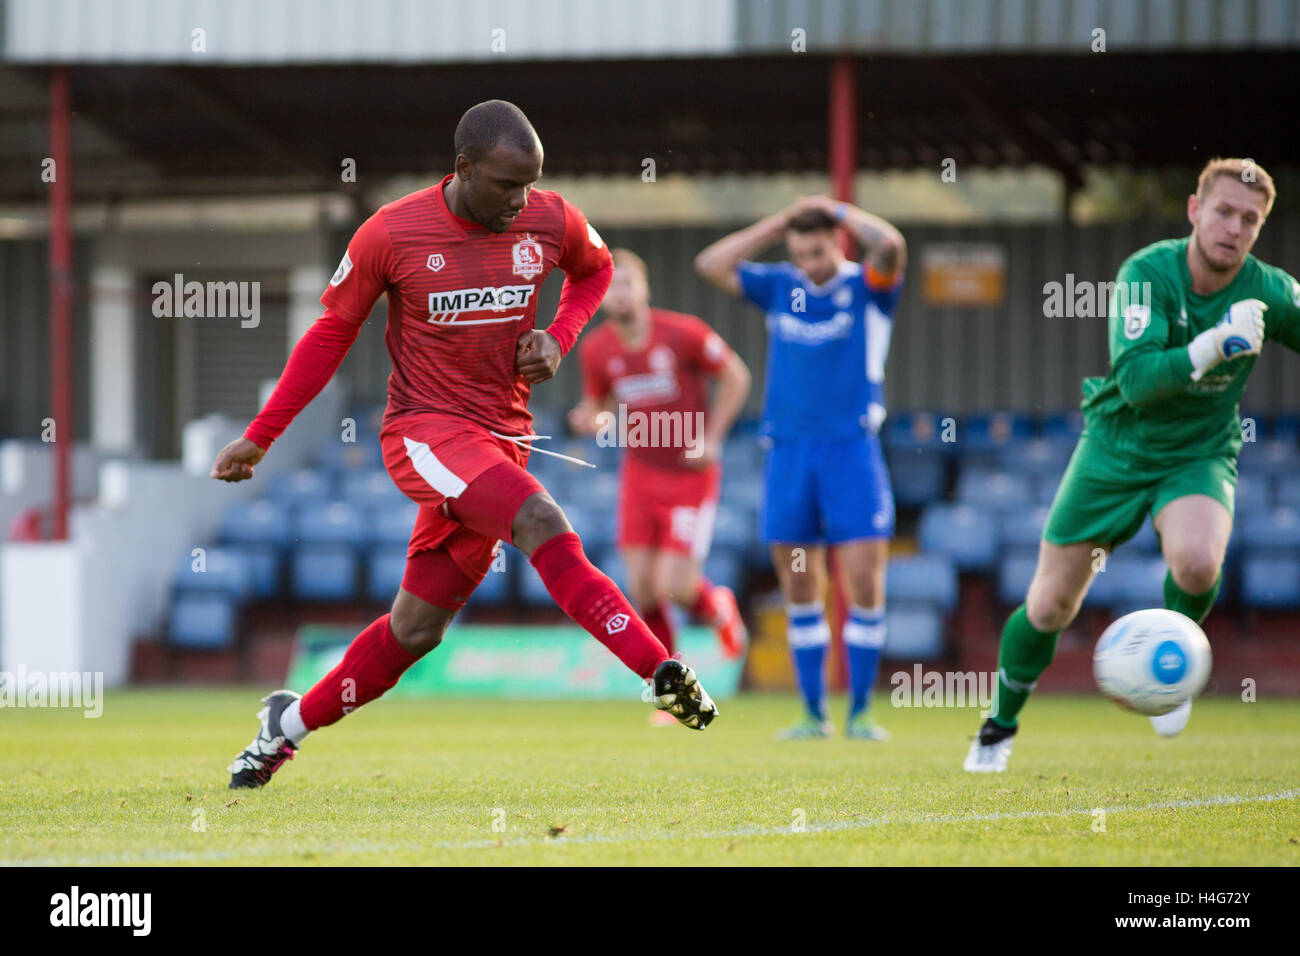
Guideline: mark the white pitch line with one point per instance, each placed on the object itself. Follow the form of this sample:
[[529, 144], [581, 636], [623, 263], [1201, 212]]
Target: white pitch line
[[182, 856]]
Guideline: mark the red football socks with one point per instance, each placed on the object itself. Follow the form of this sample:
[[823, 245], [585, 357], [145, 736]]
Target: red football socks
[[704, 608], [596, 603], [657, 619], [372, 664]]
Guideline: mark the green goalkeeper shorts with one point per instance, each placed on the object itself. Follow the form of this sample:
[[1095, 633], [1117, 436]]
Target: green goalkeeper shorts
[[1105, 496]]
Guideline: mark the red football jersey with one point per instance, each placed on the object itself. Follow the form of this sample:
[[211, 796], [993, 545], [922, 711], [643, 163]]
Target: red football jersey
[[667, 374], [459, 297]]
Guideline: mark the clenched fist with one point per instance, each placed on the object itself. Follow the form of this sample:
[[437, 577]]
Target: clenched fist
[[235, 462], [537, 356]]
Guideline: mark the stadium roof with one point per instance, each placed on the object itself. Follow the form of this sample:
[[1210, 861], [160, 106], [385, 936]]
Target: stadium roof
[[286, 90], [164, 130], [429, 31]]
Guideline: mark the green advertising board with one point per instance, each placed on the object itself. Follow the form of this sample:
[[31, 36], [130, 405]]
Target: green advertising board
[[561, 662]]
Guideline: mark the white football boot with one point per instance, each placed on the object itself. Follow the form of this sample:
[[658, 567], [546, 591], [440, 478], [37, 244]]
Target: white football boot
[[990, 749]]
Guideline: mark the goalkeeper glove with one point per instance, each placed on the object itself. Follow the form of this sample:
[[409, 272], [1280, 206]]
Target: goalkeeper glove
[[1240, 332]]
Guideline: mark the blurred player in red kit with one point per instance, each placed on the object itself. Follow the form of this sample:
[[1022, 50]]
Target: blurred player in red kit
[[461, 263], [645, 366]]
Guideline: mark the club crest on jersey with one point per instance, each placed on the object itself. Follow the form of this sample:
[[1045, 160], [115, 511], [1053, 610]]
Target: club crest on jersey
[[342, 271], [436, 261], [527, 255], [1136, 319]]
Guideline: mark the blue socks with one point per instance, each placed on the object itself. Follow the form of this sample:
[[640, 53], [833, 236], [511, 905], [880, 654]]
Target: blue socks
[[864, 636], [809, 635]]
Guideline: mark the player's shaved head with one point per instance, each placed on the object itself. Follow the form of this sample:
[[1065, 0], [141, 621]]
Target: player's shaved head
[[498, 161], [491, 123]]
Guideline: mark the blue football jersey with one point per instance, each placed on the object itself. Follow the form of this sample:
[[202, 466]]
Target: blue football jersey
[[826, 348]]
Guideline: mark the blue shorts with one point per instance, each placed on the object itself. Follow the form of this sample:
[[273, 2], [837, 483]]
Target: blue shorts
[[827, 490]]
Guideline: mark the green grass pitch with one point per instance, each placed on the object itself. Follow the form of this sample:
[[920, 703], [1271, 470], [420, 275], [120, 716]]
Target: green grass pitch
[[537, 783]]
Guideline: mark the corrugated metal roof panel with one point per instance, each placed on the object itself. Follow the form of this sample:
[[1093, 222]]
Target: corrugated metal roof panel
[[403, 31], [412, 31]]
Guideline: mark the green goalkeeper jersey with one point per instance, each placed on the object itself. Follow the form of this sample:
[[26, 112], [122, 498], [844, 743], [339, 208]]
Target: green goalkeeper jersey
[[1148, 407]]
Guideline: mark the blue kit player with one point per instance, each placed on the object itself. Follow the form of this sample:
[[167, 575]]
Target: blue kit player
[[825, 483]]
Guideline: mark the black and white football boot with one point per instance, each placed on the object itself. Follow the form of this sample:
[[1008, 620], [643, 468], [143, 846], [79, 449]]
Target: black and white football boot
[[270, 748], [679, 692], [990, 749]]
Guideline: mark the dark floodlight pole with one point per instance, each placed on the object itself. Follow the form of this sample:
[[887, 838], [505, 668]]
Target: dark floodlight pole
[[842, 148], [61, 296], [842, 134]]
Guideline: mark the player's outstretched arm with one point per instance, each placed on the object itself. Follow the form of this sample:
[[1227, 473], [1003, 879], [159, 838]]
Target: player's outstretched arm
[[717, 263], [312, 363]]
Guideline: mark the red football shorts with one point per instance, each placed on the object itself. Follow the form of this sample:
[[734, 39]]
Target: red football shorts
[[668, 509], [433, 458]]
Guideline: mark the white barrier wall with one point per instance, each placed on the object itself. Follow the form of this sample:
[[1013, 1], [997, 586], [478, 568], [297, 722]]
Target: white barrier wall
[[78, 605]]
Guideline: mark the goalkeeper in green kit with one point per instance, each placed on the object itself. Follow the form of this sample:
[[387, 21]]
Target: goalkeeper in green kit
[[1161, 433]]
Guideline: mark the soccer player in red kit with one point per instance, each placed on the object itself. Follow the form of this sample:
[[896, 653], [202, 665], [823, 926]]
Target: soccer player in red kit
[[655, 364], [461, 263]]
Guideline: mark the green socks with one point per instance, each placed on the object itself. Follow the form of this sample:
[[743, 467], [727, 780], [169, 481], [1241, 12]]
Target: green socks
[[1023, 655], [1195, 606], [1026, 651]]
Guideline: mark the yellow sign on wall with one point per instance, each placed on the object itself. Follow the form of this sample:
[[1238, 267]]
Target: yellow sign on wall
[[963, 273]]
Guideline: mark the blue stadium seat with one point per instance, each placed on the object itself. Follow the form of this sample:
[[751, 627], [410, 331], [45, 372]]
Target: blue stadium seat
[[910, 430], [392, 523], [202, 620], [385, 566], [223, 571], [1146, 541], [1034, 456], [263, 563], [918, 477], [913, 632], [497, 586], [967, 535], [257, 522], [369, 489], [1270, 457], [306, 486], [339, 457], [724, 566], [324, 572], [611, 562], [745, 496], [732, 528], [595, 526], [1022, 528], [1256, 493], [1128, 581], [335, 522], [1275, 532], [993, 490], [979, 433], [1286, 491], [1270, 581], [1063, 428], [1015, 571], [1286, 427], [922, 579], [1045, 489], [531, 589]]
